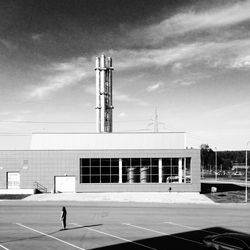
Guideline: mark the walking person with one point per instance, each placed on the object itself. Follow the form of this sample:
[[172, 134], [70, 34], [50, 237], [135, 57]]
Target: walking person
[[63, 218]]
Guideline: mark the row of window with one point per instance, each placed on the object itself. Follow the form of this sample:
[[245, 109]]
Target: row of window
[[134, 170]]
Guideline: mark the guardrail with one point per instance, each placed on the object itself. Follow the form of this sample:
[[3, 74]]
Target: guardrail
[[39, 187]]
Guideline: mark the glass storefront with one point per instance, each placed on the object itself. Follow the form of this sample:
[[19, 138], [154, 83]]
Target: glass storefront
[[135, 170]]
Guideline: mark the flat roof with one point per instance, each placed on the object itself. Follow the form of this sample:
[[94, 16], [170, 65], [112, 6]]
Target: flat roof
[[102, 141]]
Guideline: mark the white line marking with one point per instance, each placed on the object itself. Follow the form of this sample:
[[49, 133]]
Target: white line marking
[[155, 231], [21, 225], [114, 236], [193, 228], [4, 247]]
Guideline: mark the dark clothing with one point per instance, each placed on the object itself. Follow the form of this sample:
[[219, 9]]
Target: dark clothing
[[63, 218]]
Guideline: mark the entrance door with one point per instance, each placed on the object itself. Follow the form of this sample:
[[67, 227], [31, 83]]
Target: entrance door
[[13, 180], [65, 184]]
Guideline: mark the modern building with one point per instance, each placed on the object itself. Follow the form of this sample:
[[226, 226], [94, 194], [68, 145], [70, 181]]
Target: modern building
[[102, 161]]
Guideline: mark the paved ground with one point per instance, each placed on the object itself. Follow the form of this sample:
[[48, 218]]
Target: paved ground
[[115, 225], [158, 197]]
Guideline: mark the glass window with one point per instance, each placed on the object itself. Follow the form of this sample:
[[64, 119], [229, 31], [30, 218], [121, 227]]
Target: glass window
[[95, 178], [126, 162], [95, 162], [105, 178], [154, 171], [114, 170], [114, 162], [85, 170], [85, 162], [145, 162], [188, 170], [105, 170], [114, 178], [95, 170], [85, 179], [135, 162], [135, 170], [124, 174], [166, 170], [105, 162]]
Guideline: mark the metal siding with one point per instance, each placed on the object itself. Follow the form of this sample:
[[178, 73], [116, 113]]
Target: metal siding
[[43, 165]]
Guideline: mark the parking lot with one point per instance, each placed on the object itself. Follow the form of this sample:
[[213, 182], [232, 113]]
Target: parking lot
[[109, 225]]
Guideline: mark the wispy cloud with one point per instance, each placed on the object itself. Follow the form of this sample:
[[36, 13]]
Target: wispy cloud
[[8, 44], [154, 87], [61, 75], [241, 62], [189, 79], [191, 20], [225, 54], [36, 37], [184, 82]]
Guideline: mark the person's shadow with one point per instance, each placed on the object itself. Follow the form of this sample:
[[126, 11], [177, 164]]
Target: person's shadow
[[40, 236], [78, 227]]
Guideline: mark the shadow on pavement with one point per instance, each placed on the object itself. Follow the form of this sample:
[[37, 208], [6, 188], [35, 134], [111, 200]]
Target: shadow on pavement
[[221, 187], [192, 240]]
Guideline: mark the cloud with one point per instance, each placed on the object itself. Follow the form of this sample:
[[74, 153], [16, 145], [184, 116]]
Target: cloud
[[61, 75], [144, 58], [36, 37], [241, 62], [190, 20], [185, 82], [227, 54], [154, 87], [122, 114], [8, 44]]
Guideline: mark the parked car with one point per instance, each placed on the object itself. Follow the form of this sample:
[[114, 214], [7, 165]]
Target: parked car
[[175, 178], [237, 174], [228, 241]]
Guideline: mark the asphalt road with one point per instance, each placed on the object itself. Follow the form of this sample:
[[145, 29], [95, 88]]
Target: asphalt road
[[99, 225]]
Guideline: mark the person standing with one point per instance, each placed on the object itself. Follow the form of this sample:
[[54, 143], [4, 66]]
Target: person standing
[[63, 218]]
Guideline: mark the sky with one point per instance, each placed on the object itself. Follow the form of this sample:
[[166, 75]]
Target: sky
[[189, 60]]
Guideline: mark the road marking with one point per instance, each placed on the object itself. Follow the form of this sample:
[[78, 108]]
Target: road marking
[[193, 228], [65, 242], [114, 236], [158, 232], [4, 247]]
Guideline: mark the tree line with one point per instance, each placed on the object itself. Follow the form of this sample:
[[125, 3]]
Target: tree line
[[225, 159]]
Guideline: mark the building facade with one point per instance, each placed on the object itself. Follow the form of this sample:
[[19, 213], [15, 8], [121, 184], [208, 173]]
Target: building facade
[[142, 162]]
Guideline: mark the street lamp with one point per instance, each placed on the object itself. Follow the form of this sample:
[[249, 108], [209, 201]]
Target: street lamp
[[246, 173], [215, 163]]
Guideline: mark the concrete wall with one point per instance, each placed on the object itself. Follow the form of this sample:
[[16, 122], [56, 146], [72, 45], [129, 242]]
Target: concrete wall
[[43, 165]]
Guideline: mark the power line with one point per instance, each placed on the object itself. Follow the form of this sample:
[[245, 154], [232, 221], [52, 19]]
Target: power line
[[62, 122]]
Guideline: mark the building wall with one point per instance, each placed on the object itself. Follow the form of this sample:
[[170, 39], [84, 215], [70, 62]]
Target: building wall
[[43, 165]]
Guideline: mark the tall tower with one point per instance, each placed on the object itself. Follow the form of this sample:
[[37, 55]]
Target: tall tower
[[104, 108]]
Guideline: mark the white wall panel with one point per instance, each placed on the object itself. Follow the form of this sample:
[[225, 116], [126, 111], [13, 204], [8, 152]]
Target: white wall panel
[[105, 141]]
